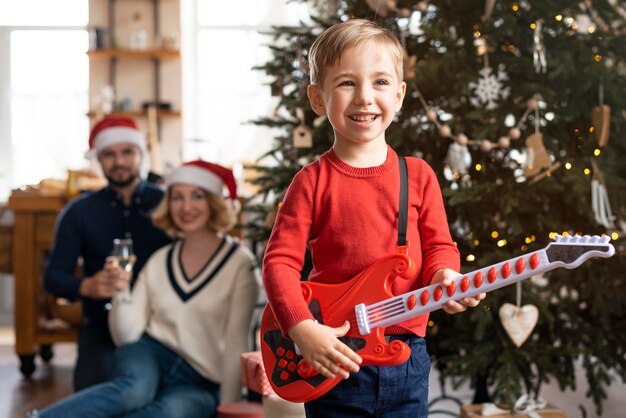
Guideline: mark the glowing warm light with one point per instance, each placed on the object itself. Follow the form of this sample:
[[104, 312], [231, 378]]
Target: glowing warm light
[[568, 166], [527, 240], [524, 248], [494, 234], [597, 57], [591, 29], [565, 233], [431, 323], [533, 25], [476, 243], [596, 152], [502, 243], [552, 235], [515, 7], [477, 34], [558, 18], [614, 236], [470, 257], [479, 167], [587, 171], [591, 129], [569, 20]]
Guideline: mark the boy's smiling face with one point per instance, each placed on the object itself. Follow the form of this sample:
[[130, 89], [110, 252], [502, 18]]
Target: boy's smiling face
[[360, 94]]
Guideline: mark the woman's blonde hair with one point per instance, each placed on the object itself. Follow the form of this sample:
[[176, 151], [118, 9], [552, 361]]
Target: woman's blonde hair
[[334, 41], [222, 215]]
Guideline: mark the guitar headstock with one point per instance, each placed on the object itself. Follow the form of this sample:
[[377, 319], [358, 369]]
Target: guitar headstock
[[572, 251]]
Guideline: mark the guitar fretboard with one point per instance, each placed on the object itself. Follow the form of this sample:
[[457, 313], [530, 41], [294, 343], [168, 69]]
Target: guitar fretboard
[[568, 252]]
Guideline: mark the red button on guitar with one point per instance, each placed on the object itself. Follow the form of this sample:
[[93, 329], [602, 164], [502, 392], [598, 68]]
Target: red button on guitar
[[290, 354], [478, 280], [282, 363], [411, 302], [534, 261], [451, 289], [464, 284], [305, 370], [506, 270], [284, 376]]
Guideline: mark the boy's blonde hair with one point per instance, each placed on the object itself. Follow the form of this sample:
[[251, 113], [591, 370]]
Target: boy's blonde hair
[[334, 41], [222, 216]]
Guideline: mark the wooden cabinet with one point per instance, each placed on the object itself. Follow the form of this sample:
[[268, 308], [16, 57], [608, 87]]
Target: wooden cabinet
[[33, 232]]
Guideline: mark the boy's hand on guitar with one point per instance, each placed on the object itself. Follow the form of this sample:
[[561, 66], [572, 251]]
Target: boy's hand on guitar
[[321, 348], [445, 276]]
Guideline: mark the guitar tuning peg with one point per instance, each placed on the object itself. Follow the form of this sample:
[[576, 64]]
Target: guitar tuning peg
[[575, 238], [586, 238], [605, 239], [558, 238], [595, 239]]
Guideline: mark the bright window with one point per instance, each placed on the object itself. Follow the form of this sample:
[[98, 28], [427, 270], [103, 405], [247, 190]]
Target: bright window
[[43, 90], [223, 92]]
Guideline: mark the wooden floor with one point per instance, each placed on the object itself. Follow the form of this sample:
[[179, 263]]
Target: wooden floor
[[49, 382]]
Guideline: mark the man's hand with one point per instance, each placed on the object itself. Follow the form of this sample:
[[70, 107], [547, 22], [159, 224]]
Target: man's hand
[[445, 276], [98, 286], [321, 348]]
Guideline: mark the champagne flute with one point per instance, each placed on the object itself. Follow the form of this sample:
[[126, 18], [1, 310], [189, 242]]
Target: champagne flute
[[123, 253]]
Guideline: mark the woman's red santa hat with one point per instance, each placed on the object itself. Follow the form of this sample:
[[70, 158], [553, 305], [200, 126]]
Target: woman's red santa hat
[[208, 176], [113, 130]]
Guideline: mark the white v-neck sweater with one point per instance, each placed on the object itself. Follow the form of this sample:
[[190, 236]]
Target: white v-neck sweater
[[204, 319]]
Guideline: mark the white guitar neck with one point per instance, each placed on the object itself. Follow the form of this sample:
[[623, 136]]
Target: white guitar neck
[[568, 252]]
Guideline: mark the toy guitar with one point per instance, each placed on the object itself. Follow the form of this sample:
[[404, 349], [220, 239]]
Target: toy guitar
[[367, 302]]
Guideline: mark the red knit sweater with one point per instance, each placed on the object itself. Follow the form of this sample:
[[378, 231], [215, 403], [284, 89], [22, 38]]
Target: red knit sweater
[[347, 217]]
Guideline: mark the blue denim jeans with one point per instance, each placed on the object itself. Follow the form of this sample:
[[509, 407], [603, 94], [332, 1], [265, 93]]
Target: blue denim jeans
[[380, 391], [152, 381], [96, 356]]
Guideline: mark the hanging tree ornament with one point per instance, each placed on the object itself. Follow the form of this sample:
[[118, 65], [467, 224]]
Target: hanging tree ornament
[[518, 321], [601, 119], [302, 134], [458, 157], [490, 87], [539, 49], [539, 162], [600, 199]]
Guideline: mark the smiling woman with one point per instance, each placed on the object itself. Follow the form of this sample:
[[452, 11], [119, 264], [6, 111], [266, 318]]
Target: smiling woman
[[44, 68]]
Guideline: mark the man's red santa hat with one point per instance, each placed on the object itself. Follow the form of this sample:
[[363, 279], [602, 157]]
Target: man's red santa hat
[[208, 176], [113, 130]]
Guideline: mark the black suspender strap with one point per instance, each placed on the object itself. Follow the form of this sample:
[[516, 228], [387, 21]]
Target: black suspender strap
[[403, 208]]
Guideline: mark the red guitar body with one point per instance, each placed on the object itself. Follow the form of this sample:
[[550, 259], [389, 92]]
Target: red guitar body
[[290, 375]]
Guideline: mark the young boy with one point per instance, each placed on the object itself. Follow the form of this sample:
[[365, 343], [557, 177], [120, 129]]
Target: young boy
[[343, 208]]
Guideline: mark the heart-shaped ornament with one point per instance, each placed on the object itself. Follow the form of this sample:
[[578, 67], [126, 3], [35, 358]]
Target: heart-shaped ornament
[[518, 322]]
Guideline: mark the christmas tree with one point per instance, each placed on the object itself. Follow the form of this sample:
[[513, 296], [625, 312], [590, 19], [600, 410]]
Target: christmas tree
[[518, 107]]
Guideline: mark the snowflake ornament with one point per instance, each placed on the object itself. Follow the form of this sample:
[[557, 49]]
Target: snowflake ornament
[[490, 88]]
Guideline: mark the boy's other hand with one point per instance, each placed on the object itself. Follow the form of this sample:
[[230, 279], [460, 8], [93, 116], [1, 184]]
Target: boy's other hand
[[445, 276], [321, 348]]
